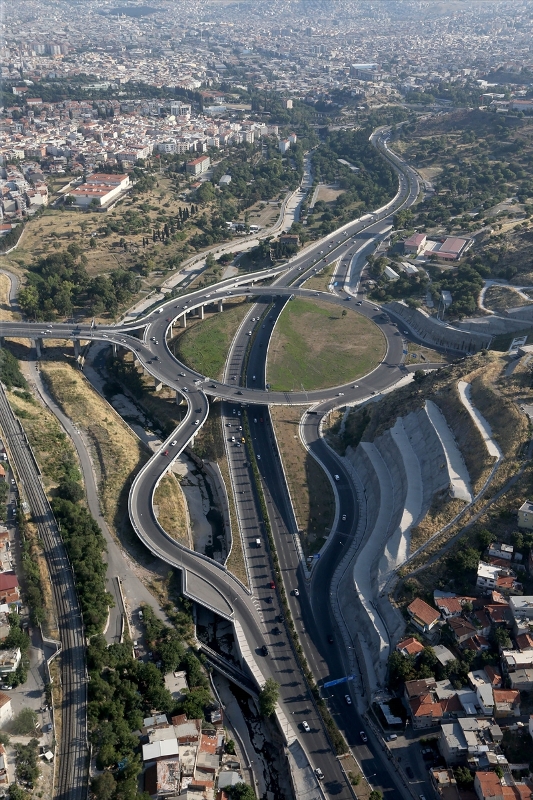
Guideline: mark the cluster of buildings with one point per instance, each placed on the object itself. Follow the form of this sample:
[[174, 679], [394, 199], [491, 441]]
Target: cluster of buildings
[[83, 134], [181, 760], [449, 248], [308, 50], [23, 191], [465, 717]]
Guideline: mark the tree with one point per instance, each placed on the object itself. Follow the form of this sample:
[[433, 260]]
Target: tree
[[464, 777], [375, 795], [25, 722], [241, 791], [16, 793], [70, 490], [419, 376], [501, 638], [268, 697], [104, 786], [230, 747]]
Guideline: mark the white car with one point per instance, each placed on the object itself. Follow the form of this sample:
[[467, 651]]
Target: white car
[[348, 699], [337, 477], [196, 421], [305, 726], [344, 517], [174, 443]]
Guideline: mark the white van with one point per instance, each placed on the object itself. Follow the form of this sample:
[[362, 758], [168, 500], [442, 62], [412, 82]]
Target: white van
[[258, 542]]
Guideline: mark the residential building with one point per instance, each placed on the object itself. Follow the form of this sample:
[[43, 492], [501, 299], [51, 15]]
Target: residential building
[[500, 550], [522, 679], [198, 165], [284, 145], [9, 589], [9, 660], [487, 786], [487, 576], [6, 711], [410, 647], [444, 783], [462, 629], [525, 515], [522, 609], [423, 616], [176, 683], [163, 777], [506, 702]]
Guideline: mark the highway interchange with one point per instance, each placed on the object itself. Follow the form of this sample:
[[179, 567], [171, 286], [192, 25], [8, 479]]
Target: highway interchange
[[255, 611]]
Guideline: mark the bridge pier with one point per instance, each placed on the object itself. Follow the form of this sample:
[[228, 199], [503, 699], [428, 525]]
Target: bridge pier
[[201, 312], [2, 341], [158, 386], [76, 348], [220, 305], [114, 348], [183, 320], [39, 346], [171, 330]]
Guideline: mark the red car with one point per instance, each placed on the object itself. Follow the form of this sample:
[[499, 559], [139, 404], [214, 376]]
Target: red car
[[272, 585], [165, 453]]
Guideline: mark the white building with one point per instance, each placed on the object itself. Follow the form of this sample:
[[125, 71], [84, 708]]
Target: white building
[[487, 576], [6, 711]]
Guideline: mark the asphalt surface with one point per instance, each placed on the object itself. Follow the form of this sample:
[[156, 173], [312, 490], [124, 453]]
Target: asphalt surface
[[205, 581]]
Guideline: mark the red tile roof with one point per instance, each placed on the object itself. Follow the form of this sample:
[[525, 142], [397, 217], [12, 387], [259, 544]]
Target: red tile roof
[[422, 611]]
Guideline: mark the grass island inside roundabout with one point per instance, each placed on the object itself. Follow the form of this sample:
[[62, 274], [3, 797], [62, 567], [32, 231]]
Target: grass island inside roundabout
[[314, 345]]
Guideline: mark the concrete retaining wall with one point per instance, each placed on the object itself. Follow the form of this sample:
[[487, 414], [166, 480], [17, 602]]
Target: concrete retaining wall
[[439, 334]]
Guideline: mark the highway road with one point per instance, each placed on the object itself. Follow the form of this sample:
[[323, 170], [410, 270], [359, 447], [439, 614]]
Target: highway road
[[203, 580]]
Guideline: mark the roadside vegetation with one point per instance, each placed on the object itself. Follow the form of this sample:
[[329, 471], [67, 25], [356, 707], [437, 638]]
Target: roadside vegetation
[[123, 691], [204, 346], [311, 493], [478, 164], [316, 345]]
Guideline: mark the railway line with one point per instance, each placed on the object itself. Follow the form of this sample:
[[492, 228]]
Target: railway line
[[72, 755]]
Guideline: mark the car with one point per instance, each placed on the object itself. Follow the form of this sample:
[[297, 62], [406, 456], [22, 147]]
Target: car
[[348, 699], [355, 386], [255, 420], [296, 592], [392, 737], [359, 303], [410, 773], [319, 774], [238, 413], [276, 631], [363, 736], [234, 411], [258, 457], [340, 394], [196, 421], [233, 438], [140, 614], [272, 585], [269, 599], [343, 517], [337, 477], [183, 374], [279, 618], [317, 294], [174, 443], [264, 650], [249, 333], [305, 726], [330, 638], [165, 453], [184, 389], [157, 342]]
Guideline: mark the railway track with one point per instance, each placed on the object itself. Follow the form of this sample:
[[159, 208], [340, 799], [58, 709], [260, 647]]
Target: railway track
[[72, 768]]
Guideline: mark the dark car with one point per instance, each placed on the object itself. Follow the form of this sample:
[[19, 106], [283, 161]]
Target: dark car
[[276, 631], [279, 618], [330, 639], [264, 650]]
